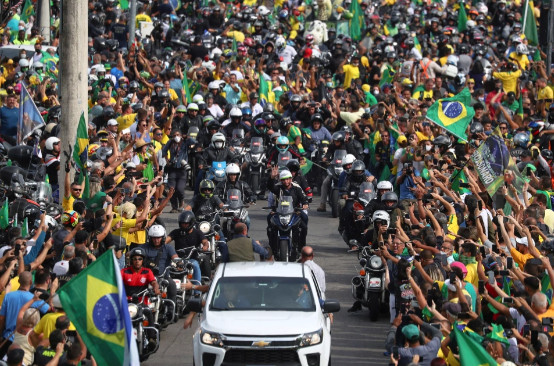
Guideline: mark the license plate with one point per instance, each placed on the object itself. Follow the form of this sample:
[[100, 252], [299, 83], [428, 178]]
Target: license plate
[[177, 283], [375, 282]]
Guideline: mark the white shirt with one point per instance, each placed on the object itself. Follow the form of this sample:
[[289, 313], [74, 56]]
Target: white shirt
[[288, 54], [319, 275]]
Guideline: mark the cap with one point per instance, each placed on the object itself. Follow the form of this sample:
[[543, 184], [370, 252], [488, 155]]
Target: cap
[[522, 241], [112, 122], [452, 308], [401, 139], [61, 268], [410, 331], [460, 265]]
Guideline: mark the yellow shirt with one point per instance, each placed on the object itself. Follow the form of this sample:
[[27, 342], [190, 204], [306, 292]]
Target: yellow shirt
[[126, 224], [453, 226], [520, 258], [522, 59], [423, 137], [67, 203], [142, 18], [13, 285], [472, 276], [426, 94], [125, 121], [545, 93], [47, 324], [351, 72], [138, 237], [237, 35], [509, 80]]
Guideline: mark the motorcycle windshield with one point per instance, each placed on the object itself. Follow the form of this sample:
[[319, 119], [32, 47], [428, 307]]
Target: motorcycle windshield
[[256, 145], [237, 137], [338, 157], [285, 206], [193, 132], [367, 192], [43, 194], [234, 199], [283, 159]]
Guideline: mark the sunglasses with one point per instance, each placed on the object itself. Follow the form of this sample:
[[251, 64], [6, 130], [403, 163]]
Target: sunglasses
[[137, 259]]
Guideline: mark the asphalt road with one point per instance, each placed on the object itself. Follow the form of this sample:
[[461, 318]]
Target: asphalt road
[[355, 339]]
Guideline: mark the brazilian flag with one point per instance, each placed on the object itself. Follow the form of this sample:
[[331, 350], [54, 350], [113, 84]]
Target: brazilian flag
[[263, 91], [453, 114], [96, 303], [80, 153], [28, 11]]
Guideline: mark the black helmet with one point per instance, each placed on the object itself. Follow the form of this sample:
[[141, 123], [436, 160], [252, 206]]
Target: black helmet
[[186, 220], [442, 141], [285, 121], [358, 166], [163, 94], [476, 127], [269, 108], [54, 113], [137, 252], [213, 125], [317, 117], [296, 98], [338, 136], [547, 154], [390, 197], [293, 165]]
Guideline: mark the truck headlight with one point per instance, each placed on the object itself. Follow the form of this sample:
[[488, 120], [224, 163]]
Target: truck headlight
[[311, 339], [211, 339]]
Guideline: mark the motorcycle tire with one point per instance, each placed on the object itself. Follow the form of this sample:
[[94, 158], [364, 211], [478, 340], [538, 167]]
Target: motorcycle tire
[[334, 203], [283, 250], [255, 183], [374, 305]]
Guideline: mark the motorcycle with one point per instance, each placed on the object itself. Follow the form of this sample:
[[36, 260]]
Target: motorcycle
[[141, 326], [286, 222], [369, 286], [164, 309], [317, 173], [237, 143], [255, 157], [216, 172], [235, 212], [356, 220], [283, 159], [207, 225], [193, 152], [334, 170], [180, 271]]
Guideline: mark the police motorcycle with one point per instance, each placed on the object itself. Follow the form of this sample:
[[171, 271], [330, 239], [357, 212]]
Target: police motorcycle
[[206, 223], [255, 157], [235, 212], [286, 223], [358, 221], [142, 329], [368, 287], [334, 170], [181, 271]]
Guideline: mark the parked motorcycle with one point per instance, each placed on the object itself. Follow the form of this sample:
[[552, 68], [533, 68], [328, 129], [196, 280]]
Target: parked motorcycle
[[142, 329], [255, 157], [286, 222], [369, 286], [334, 170]]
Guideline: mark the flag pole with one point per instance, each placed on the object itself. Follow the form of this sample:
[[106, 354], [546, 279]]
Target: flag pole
[[525, 15]]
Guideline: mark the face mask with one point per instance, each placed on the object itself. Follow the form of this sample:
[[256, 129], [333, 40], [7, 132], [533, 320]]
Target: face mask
[[428, 147], [177, 139], [376, 92], [218, 145]]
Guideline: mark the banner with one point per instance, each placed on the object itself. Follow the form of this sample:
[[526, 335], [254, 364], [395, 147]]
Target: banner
[[29, 116], [495, 165]]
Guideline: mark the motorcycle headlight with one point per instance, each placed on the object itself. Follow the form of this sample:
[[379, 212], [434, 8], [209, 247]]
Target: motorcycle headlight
[[338, 170], [211, 338], [204, 227], [284, 219], [311, 339], [133, 310], [375, 262], [255, 157]]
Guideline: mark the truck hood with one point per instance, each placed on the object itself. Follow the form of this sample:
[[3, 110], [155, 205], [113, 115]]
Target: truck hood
[[264, 323]]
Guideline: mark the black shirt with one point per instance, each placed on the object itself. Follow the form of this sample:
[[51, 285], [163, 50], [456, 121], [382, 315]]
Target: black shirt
[[43, 355], [185, 240]]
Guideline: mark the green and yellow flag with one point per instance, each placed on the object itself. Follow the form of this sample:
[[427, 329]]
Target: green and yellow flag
[[186, 88], [96, 303], [453, 114], [28, 11], [462, 18], [80, 153], [530, 29], [356, 24], [472, 352], [263, 90]]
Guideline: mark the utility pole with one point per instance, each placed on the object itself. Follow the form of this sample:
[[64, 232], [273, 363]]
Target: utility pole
[[550, 38], [131, 22], [44, 20], [73, 74]]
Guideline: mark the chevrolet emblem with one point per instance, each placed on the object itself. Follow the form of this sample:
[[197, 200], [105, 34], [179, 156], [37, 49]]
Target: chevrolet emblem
[[260, 344]]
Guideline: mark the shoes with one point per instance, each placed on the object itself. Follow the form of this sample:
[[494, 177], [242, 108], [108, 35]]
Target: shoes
[[356, 307], [322, 208]]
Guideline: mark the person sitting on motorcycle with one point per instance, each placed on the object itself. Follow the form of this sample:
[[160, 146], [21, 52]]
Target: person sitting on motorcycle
[[299, 200], [136, 278], [281, 147], [232, 172], [378, 234], [375, 204], [236, 123], [189, 120], [176, 168], [294, 168], [261, 129], [337, 144], [204, 137], [217, 151], [206, 203], [391, 205], [293, 133], [318, 131], [351, 183], [348, 134], [187, 236]]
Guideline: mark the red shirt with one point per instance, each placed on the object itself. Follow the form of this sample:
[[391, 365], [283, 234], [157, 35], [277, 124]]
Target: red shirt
[[136, 281]]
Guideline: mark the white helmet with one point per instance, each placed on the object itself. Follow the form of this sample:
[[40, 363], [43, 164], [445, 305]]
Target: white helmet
[[263, 10], [384, 185], [98, 68], [197, 98], [285, 174], [381, 215], [452, 60], [213, 85], [348, 159], [156, 231], [232, 169], [23, 62], [218, 140], [521, 49], [50, 222], [50, 142], [235, 112], [38, 65], [280, 43]]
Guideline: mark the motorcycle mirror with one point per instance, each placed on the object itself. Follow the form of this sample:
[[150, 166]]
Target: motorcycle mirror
[[363, 262], [217, 227]]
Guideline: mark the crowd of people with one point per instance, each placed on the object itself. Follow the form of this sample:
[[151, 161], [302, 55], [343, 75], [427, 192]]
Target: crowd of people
[[464, 262]]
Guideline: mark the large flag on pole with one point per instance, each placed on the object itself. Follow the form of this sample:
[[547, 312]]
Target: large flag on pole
[[263, 91], [453, 114], [28, 10], [186, 88], [462, 18], [530, 29], [80, 153], [356, 24], [96, 303], [29, 116]]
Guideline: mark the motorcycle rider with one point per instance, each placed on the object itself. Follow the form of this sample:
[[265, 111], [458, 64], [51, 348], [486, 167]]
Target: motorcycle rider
[[217, 151], [236, 123], [351, 183], [294, 167], [190, 119], [299, 200], [375, 204], [390, 204], [176, 168], [262, 128], [187, 236], [232, 172], [52, 161], [205, 135], [281, 147], [318, 131]]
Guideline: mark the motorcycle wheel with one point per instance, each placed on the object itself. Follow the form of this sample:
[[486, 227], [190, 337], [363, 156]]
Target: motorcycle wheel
[[374, 305], [334, 203], [283, 250], [255, 183]]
